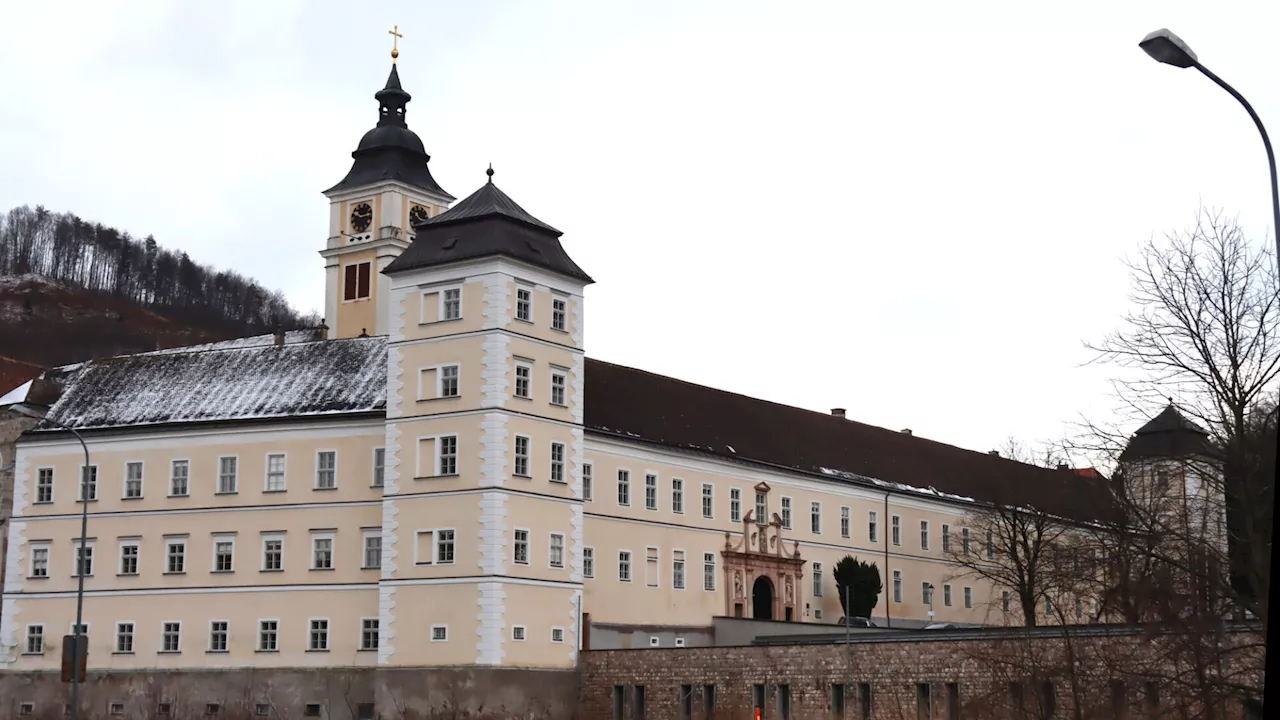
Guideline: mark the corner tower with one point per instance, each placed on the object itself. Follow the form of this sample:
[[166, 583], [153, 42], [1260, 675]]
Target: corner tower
[[482, 512], [371, 210]]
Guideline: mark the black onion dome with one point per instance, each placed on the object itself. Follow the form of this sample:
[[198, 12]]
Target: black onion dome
[[391, 151]]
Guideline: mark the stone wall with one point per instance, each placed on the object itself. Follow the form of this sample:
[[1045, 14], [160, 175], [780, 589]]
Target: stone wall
[[943, 676], [333, 693]]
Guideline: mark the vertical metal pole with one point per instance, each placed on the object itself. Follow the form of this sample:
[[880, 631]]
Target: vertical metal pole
[[888, 574], [848, 651], [577, 653], [84, 531]]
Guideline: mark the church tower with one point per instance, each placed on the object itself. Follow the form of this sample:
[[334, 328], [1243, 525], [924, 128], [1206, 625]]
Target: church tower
[[388, 187], [482, 507]]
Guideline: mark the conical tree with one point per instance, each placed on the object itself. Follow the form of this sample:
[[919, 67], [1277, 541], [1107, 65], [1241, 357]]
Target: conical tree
[[859, 585]]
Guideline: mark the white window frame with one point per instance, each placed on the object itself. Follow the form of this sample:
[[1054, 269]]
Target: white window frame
[[226, 636], [897, 586], [90, 552], [815, 517], [379, 468], [136, 544], [946, 594], [164, 637], [846, 521], [284, 472], [651, 491], [47, 547], [557, 465], [445, 628], [679, 570], [320, 452], [132, 635], [40, 472], [551, 551], [92, 484], [441, 456], [519, 633], [560, 314], [438, 540], [817, 579], [262, 556], [235, 475], [677, 495], [654, 552], [784, 511], [557, 634], [968, 597], [966, 537], [457, 380], [33, 630], [735, 505], [518, 458], [331, 536], [562, 387], [895, 530], [709, 572], [516, 544], [946, 538], [527, 367], [588, 482], [442, 313], [629, 563], [524, 301], [708, 501], [259, 645], [173, 476], [924, 535], [624, 483], [588, 562], [365, 537], [142, 474], [223, 538], [365, 631], [873, 526], [169, 542], [324, 634]]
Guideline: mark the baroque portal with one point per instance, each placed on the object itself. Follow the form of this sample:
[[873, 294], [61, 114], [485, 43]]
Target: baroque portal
[[763, 570]]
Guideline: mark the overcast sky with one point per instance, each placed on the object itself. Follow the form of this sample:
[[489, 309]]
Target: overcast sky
[[917, 211]]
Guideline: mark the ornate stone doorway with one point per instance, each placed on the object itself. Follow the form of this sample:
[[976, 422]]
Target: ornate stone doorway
[[763, 570], [762, 599]]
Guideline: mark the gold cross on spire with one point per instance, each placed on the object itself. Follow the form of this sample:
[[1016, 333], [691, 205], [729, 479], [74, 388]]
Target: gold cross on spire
[[395, 39]]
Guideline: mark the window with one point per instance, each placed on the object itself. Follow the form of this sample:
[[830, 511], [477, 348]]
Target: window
[[133, 480], [896, 529], [946, 595], [373, 549], [557, 314], [520, 548], [379, 466], [588, 562], [556, 551], [677, 495], [1048, 607], [786, 513], [557, 635], [449, 455], [651, 567], [762, 508], [586, 482], [817, 580], [523, 372], [35, 640], [311, 710], [448, 381], [784, 701], [968, 597], [897, 586], [522, 456], [223, 554], [273, 552], [524, 299], [84, 559], [844, 522], [557, 388], [452, 304], [624, 488], [275, 472], [439, 633], [39, 561], [262, 709], [926, 593], [268, 631], [124, 637], [171, 637], [218, 630], [924, 534], [369, 634], [677, 569], [964, 541], [1004, 600], [946, 538], [318, 637], [89, 482], [129, 557], [709, 571], [444, 547], [624, 566], [708, 500], [837, 700], [517, 632], [44, 485], [991, 545], [175, 556], [735, 505], [873, 528], [557, 462], [815, 518], [322, 552], [355, 281], [326, 470], [650, 492], [179, 478]]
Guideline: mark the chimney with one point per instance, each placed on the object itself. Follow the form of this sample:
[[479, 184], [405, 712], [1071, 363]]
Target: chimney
[[906, 431], [279, 337], [1063, 466], [837, 412], [322, 331], [993, 453]]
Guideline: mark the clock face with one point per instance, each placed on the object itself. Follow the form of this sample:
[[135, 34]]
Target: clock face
[[361, 217], [418, 214]]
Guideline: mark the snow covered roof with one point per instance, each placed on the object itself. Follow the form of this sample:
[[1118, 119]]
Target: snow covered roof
[[244, 379]]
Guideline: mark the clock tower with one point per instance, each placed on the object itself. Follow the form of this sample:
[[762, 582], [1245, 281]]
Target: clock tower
[[371, 212]]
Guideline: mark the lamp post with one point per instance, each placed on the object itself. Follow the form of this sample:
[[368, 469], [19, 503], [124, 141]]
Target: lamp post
[[1169, 49], [22, 409]]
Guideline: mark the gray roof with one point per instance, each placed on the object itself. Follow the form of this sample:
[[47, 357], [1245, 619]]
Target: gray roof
[[245, 379]]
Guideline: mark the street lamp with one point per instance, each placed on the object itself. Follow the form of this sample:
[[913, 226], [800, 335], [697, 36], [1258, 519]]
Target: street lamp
[[1169, 49], [27, 411]]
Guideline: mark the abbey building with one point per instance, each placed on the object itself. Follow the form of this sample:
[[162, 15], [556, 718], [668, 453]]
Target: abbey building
[[442, 477]]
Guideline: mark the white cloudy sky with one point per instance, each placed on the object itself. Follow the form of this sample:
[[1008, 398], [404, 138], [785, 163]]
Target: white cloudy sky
[[913, 210]]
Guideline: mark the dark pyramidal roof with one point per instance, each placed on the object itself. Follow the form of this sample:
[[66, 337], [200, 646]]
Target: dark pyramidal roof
[[391, 151], [485, 224], [1167, 435]]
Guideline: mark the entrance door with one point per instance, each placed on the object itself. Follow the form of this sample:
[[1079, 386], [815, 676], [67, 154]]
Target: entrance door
[[762, 599]]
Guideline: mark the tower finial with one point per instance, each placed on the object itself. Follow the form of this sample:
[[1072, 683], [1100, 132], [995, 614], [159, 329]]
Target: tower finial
[[394, 32], [489, 172]]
